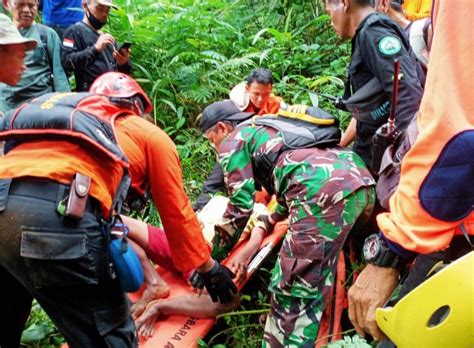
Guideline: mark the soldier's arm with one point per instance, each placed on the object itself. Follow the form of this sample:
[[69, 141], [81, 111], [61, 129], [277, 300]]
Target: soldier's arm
[[235, 160], [381, 46]]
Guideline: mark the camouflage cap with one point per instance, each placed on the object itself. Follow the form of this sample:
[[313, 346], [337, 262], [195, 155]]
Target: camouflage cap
[[9, 34], [224, 110]]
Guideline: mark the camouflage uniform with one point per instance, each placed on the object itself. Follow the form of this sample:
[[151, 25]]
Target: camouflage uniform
[[324, 192]]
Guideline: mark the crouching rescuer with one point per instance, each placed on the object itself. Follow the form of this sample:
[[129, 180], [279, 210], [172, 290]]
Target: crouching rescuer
[[324, 190], [70, 161]]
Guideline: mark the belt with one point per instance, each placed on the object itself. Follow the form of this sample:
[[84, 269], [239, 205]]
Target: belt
[[46, 190], [42, 189]]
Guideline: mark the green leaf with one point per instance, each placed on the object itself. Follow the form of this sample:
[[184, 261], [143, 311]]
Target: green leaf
[[326, 79], [202, 344], [350, 342], [194, 42], [245, 297], [288, 19], [281, 37], [314, 99], [36, 333], [214, 55], [180, 112], [258, 35], [170, 104], [264, 55], [180, 123]]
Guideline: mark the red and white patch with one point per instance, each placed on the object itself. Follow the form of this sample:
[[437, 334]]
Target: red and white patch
[[68, 42]]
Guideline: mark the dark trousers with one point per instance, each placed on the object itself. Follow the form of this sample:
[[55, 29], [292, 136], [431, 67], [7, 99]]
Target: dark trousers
[[424, 264], [63, 264], [213, 184]]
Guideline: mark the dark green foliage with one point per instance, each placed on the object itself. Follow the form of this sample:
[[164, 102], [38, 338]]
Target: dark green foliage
[[189, 53], [243, 328], [40, 331]]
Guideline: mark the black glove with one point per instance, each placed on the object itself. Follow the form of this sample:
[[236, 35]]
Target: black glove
[[219, 284], [196, 280]]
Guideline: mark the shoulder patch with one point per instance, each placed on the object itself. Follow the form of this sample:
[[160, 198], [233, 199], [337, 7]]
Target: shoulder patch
[[389, 45], [68, 42]]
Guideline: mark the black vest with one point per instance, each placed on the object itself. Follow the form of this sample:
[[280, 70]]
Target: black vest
[[370, 104], [60, 116]]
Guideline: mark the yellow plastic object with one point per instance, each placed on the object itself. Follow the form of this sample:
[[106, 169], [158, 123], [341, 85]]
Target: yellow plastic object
[[438, 313], [304, 117], [417, 9]]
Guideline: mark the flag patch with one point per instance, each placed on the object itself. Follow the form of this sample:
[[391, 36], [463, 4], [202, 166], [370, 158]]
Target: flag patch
[[68, 42]]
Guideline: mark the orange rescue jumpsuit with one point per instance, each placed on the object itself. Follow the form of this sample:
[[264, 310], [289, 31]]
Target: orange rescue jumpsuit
[[153, 160], [435, 195]]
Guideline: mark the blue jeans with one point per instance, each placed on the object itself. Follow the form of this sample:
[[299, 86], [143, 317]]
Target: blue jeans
[[63, 264]]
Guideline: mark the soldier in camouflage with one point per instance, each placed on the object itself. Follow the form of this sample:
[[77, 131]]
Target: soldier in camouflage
[[323, 191]]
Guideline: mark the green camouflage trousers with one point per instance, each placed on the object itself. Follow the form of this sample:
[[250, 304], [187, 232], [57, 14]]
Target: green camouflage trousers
[[306, 266]]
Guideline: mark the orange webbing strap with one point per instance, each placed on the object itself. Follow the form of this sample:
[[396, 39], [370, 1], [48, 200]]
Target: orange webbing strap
[[323, 333], [334, 308], [341, 297], [353, 259]]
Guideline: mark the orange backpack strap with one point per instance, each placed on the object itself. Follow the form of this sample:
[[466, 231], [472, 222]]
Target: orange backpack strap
[[330, 328]]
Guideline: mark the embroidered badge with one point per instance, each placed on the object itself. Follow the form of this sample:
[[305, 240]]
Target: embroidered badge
[[390, 45]]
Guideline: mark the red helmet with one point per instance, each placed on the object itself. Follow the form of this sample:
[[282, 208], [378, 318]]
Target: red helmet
[[118, 85]]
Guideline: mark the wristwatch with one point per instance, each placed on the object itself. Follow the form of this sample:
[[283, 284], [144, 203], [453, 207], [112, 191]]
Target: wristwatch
[[376, 252]]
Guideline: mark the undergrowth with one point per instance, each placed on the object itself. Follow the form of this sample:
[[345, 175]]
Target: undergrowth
[[187, 54]]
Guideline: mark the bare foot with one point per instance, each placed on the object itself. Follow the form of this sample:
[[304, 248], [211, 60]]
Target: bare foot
[[152, 292], [146, 322]]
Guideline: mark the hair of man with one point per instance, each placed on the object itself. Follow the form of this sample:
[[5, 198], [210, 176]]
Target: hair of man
[[260, 75], [397, 6], [361, 3]]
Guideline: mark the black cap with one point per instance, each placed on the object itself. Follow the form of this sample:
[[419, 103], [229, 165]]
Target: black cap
[[224, 110]]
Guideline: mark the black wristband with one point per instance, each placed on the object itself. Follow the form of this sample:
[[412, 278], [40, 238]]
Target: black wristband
[[208, 274]]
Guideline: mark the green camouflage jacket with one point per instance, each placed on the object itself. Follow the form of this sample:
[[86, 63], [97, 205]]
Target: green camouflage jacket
[[338, 173]]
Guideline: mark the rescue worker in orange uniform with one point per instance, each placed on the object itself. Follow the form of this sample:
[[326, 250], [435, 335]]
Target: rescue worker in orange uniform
[[253, 95], [431, 216], [13, 48], [53, 251]]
